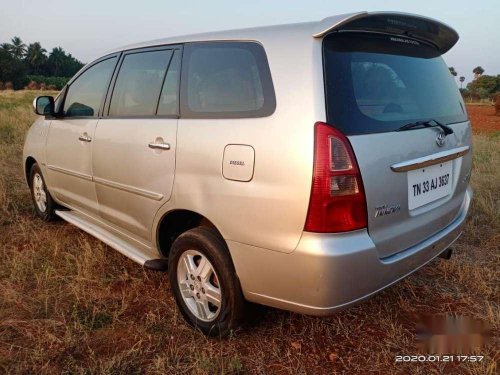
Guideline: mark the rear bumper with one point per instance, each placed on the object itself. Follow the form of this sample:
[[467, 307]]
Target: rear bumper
[[328, 272]]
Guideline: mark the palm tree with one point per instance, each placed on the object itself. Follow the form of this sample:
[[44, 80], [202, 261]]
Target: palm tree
[[452, 71], [6, 47], [478, 71], [35, 57], [462, 79], [56, 61], [18, 48]]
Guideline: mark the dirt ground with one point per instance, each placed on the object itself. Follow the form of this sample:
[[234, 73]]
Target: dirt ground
[[483, 118]]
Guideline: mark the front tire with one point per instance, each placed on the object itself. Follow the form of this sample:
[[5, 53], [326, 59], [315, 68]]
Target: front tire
[[204, 282], [42, 201]]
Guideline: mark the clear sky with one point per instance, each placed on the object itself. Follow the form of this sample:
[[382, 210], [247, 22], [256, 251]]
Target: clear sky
[[87, 28]]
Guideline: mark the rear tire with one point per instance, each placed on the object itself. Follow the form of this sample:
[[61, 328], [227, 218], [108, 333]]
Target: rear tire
[[204, 282], [42, 200]]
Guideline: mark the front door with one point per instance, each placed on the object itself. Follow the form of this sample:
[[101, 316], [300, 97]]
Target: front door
[[135, 142], [69, 141]]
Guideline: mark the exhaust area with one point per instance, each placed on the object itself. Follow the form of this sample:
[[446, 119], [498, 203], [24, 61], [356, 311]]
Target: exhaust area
[[446, 254]]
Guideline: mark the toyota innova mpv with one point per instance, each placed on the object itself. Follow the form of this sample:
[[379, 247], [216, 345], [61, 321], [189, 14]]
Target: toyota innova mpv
[[304, 167]]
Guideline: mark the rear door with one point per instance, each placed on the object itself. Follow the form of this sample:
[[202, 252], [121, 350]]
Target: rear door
[[135, 141], [414, 180]]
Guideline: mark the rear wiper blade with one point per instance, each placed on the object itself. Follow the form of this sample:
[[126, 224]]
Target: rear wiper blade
[[427, 124]]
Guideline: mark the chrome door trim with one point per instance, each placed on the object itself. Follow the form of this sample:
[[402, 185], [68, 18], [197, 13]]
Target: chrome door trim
[[425, 161], [70, 172], [129, 189]]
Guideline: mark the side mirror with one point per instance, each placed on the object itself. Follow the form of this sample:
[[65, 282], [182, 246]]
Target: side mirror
[[44, 105]]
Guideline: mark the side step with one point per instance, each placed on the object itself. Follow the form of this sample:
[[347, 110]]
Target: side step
[[112, 240]]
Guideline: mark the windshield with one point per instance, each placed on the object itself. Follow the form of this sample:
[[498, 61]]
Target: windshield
[[378, 83]]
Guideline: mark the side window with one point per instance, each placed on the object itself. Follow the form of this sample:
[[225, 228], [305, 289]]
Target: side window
[[85, 95], [226, 80], [139, 82], [169, 98]]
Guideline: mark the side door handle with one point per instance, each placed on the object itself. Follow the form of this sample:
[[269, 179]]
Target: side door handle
[[159, 146], [84, 138]]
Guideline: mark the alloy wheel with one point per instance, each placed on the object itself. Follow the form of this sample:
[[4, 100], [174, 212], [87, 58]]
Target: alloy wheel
[[39, 192], [199, 285]]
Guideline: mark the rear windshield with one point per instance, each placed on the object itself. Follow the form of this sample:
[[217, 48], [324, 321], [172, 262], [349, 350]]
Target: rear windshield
[[378, 83]]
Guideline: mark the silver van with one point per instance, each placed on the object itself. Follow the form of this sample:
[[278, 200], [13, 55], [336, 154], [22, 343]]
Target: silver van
[[304, 167]]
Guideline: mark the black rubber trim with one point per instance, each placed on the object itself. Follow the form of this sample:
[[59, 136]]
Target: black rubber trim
[[160, 264]]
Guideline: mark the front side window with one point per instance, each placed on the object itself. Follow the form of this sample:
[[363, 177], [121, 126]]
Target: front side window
[[85, 94], [226, 79], [139, 82]]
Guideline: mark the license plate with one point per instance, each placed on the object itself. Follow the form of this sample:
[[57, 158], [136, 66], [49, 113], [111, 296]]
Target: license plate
[[429, 184]]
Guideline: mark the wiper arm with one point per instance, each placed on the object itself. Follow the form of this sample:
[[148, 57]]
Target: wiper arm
[[427, 124]]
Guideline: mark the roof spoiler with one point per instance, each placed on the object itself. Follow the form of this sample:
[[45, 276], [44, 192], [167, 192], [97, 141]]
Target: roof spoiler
[[442, 36]]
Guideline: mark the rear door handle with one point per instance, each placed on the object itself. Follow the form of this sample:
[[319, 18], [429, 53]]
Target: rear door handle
[[159, 146], [85, 138]]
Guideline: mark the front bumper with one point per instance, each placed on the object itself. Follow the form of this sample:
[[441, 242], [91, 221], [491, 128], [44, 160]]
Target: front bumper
[[328, 272]]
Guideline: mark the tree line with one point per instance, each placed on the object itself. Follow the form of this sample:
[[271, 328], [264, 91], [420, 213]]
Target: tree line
[[21, 64], [482, 86]]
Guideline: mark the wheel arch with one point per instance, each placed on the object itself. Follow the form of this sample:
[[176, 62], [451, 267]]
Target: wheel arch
[[174, 223], [28, 163]]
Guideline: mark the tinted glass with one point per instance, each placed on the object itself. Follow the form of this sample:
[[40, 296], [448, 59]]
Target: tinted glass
[[138, 85], [43, 105], [379, 83], [225, 79], [169, 98], [85, 95]]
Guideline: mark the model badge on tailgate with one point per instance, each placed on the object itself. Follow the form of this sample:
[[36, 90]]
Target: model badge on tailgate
[[387, 209]]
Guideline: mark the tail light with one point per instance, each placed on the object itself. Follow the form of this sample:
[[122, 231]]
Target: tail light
[[337, 202]]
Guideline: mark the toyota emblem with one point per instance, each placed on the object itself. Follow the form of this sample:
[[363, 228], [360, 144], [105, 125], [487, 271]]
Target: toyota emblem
[[441, 139]]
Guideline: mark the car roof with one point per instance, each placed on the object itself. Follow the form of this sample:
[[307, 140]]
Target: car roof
[[254, 33], [442, 36]]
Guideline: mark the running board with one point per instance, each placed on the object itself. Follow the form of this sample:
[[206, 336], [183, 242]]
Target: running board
[[112, 240]]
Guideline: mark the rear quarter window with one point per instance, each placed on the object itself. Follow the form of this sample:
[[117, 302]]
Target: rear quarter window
[[226, 80]]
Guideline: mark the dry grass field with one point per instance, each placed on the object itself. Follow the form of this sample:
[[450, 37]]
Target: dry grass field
[[70, 304]]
